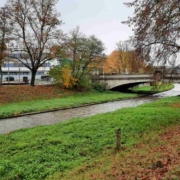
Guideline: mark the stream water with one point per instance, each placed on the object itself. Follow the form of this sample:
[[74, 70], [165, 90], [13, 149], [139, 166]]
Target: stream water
[[12, 124]]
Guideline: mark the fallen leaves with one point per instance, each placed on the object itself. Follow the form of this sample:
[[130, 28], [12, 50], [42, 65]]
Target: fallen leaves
[[153, 159], [11, 94]]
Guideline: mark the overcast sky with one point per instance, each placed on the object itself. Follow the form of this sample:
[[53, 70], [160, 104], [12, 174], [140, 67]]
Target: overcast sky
[[101, 18]]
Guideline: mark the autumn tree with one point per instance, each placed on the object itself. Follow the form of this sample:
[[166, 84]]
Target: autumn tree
[[4, 38], [124, 55], [156, 26], [34, 24], [113, 64], [124, 60], [86, 53]]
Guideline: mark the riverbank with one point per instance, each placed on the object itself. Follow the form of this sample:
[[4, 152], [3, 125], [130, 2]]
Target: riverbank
[[42, 151], [18, 101], [66, 101], [151, 89]]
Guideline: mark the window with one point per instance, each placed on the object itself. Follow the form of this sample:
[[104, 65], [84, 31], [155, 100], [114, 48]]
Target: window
[[47, 64], [16, 55], [25, 73], [9, 65], [13, 73], [40, 73]]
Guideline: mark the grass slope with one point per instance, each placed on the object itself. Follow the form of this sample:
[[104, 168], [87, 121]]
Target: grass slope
[[42, 151], [17, 108], [156, 156], [149, 89]]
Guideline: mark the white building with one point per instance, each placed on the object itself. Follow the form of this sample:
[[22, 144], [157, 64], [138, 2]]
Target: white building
[[13, 68]]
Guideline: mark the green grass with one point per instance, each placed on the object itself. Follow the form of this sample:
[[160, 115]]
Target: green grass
[[38, 152], [13, 109], [160, 88]]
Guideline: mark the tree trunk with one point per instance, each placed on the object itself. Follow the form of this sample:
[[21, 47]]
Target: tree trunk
[[1, 74], [33, 75]]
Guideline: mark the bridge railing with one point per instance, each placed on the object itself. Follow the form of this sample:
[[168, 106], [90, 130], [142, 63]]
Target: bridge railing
[[135, 76]]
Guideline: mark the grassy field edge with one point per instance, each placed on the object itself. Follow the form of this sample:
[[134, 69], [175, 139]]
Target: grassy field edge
[[42, 151]]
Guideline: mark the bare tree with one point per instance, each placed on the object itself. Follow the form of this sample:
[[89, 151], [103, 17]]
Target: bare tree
[[34, 24], [156, 25]]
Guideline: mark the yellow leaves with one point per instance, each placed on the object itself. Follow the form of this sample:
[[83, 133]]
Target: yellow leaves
[[67, 79]]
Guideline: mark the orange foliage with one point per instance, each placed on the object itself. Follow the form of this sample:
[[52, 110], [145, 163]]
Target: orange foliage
[[68, 80], [124, 62]]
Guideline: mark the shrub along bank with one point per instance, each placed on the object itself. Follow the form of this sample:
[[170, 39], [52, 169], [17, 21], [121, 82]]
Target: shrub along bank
[[42, 151]]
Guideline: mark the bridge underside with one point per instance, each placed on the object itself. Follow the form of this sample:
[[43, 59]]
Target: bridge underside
[[122, 84], [124, 87]]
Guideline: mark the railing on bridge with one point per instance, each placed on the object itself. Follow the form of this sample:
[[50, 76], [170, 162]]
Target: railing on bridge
[[136, 76]]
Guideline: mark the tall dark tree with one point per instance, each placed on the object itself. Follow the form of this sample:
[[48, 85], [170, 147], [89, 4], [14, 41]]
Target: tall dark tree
[[4, 38], [34, 24], [156, 25]]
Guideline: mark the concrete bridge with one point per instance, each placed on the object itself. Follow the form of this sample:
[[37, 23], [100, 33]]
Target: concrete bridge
[[125, 81]]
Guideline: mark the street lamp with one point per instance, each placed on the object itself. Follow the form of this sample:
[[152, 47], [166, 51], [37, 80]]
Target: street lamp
[[19, 75], [8, 70]]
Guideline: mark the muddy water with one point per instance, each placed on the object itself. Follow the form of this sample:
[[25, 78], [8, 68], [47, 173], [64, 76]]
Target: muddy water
[[12, 124]]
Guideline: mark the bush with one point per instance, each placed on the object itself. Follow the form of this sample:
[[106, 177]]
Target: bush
[[158, 86], [99, 86], [83, 84], [63, 76]]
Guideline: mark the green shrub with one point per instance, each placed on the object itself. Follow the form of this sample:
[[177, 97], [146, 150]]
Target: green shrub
[[83, 84], [99, 86]]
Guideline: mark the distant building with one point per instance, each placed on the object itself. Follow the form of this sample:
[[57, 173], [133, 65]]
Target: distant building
[[14, 68]]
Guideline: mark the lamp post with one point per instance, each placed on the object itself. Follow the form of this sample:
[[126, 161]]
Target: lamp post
[[19, 75], [8, 70], [104, 56]]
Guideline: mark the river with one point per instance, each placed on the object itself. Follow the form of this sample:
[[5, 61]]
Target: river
[[12, 124]]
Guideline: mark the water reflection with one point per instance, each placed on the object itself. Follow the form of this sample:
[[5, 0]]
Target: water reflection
[[8, 125]]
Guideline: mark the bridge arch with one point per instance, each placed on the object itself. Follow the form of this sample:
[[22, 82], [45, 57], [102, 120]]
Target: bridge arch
[[116, 81], [124, 87]]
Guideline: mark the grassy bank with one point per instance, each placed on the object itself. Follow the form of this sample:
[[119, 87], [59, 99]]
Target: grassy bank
[[67, 100], [156, 156], [42, 151], [153, 89]]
